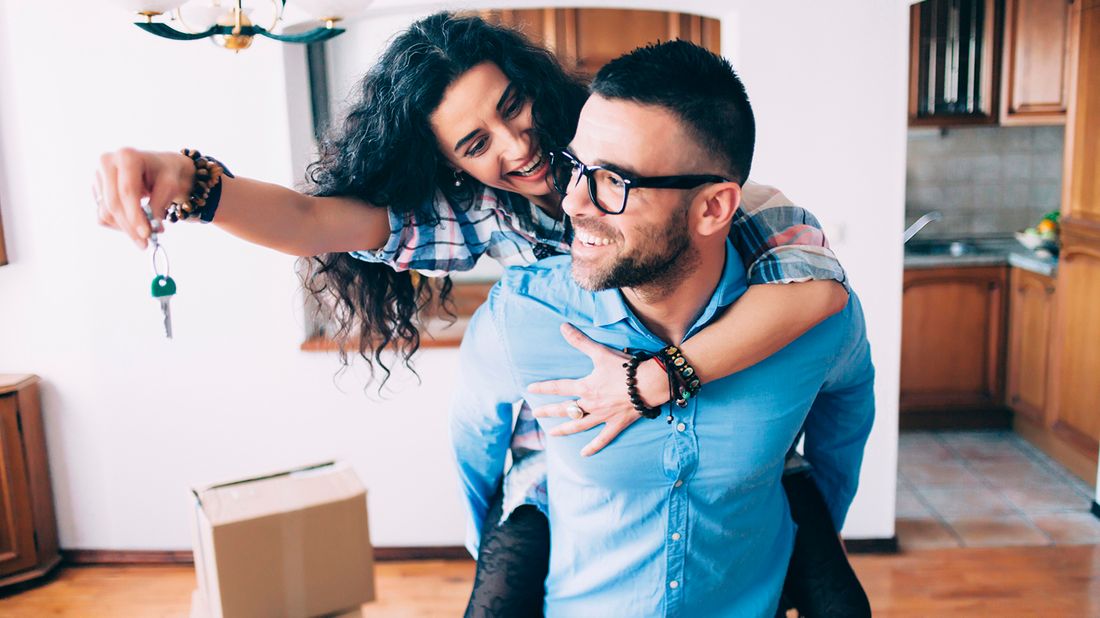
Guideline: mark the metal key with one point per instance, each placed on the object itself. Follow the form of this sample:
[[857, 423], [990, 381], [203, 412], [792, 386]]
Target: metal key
[[163, 290]]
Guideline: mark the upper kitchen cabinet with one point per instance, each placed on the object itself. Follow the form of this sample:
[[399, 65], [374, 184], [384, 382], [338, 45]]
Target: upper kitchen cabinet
[[991, 61], [952, 68], [1081, 190], [586, 39], [1039, 38]]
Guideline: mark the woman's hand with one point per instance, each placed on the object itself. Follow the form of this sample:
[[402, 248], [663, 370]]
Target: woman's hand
[[601, 395], [126, 176]]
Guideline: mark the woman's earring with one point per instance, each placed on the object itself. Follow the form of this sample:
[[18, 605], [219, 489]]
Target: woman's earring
[[458, 178]]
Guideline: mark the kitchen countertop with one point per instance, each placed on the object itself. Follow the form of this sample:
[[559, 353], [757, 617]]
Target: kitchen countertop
[[994, 251]]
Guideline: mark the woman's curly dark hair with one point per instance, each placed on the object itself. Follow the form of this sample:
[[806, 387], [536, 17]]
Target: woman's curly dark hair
[[386, 154]]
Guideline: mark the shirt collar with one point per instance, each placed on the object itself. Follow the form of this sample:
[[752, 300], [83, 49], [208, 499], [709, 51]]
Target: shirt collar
[[610, 307]]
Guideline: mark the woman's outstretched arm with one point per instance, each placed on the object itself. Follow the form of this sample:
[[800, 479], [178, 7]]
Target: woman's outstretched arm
[[262, 213]]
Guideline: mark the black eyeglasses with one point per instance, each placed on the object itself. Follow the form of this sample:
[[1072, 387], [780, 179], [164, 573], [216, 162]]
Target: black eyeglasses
[[609, 189]]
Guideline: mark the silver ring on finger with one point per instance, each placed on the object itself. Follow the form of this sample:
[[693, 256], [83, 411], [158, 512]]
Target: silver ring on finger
[[575, 412]]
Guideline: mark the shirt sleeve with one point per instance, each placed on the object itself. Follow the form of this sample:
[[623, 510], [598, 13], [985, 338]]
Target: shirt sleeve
[[780, 242], [840, 419], [481, 415], [453, 243]]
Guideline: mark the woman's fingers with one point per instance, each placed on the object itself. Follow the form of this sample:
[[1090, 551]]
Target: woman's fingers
[[131, 188], [577, 426], [553, 410], [610, 431], [111, 202], [564, 388], [574, 337]]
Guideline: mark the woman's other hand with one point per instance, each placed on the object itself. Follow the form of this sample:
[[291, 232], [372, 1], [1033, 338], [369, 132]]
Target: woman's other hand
[[126, 176], [601, 395]]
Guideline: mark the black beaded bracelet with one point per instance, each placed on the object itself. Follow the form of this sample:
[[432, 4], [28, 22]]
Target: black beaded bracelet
[[631, 366], [683, 381]]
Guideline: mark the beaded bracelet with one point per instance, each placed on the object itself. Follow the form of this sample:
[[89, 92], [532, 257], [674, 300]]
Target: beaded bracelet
[[206, 189], [683, 381], [631, 366]]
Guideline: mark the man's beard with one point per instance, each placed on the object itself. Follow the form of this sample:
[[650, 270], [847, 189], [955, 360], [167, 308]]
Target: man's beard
[[656, 266]]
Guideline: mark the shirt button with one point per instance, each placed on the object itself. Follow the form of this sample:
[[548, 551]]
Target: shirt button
[[674, 584], [677, 483], [675, 536], [681, 427]]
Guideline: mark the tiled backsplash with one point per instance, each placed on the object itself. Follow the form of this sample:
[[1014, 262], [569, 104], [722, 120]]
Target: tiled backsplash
[[985, 180]]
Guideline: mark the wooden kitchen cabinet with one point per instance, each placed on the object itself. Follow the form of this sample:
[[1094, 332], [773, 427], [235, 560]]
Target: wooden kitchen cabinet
[[952, 347], [586, 39], [28, 529], [3, 249], [954, 62], [1030, 330], [1039, 38], [1071, 433], [1081, 180]]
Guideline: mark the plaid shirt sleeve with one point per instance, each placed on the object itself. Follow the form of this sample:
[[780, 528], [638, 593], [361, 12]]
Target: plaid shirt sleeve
[[454, 243], [780, 242], [461, 236]]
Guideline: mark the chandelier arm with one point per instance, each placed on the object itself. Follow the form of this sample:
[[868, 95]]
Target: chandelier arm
[[168, 32], [312, 36]]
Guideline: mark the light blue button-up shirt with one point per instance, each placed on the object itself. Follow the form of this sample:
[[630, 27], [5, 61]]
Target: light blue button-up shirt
[[680, 519]]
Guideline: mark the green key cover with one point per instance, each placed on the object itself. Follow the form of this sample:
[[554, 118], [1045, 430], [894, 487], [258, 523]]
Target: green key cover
[[163, 286]]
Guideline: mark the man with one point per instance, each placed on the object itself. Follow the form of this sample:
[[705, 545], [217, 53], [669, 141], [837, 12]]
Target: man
[[685, 518]]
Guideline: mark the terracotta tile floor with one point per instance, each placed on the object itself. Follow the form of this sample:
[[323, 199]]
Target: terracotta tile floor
[[987, 489]]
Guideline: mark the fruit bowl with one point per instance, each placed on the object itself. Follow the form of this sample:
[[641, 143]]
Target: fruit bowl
[[1035, 242]]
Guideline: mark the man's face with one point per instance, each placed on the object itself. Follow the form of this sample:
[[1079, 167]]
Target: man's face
[[650, 243]]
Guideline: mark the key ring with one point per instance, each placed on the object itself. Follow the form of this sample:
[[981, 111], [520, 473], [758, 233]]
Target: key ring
[[157, 248]]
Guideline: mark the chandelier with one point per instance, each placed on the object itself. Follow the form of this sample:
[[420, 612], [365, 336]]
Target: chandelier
[[231, 26]]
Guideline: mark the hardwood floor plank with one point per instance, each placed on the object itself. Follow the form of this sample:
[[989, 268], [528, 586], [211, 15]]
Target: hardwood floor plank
[[1002, 582]]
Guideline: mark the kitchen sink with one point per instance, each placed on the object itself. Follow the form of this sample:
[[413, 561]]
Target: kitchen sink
[[953, 248]]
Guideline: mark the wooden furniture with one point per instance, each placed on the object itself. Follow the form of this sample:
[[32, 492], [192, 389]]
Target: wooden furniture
[[953, 72], [1030, 329], [1039, 39], [28, 530], [952, 347], [586, 39], [991, 61], [1071, 431], [3, 249]]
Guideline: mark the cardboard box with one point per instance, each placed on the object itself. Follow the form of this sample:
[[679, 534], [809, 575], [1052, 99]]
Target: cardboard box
[[292, 544]]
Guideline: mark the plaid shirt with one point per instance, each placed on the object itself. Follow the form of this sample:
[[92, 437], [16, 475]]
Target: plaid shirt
[[778, 241]]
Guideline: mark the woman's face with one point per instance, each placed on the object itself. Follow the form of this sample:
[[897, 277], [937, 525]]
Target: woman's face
[[484, 128]]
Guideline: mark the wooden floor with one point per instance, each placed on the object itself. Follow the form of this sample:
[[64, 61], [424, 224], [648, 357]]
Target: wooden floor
[[1002, 582]]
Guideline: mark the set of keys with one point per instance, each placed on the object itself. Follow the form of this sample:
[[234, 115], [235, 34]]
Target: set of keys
[[163, 287]]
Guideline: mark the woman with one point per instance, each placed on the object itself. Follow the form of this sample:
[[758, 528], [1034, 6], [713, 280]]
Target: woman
[[426, 177]]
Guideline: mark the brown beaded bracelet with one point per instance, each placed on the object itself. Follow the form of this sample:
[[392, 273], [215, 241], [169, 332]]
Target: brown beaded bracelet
[[631, 366], [205, 189]]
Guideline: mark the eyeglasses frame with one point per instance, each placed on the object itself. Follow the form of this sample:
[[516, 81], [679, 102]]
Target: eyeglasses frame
[[679, 181]]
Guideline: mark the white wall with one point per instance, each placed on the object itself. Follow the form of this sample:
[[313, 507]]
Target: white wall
[[132, 420]]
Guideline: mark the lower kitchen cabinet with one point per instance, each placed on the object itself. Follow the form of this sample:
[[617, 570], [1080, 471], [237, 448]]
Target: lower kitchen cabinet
[[1030, 331], [952, 347]]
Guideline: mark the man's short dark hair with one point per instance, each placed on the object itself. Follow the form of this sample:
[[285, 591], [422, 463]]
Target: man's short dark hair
[[700, 87]]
